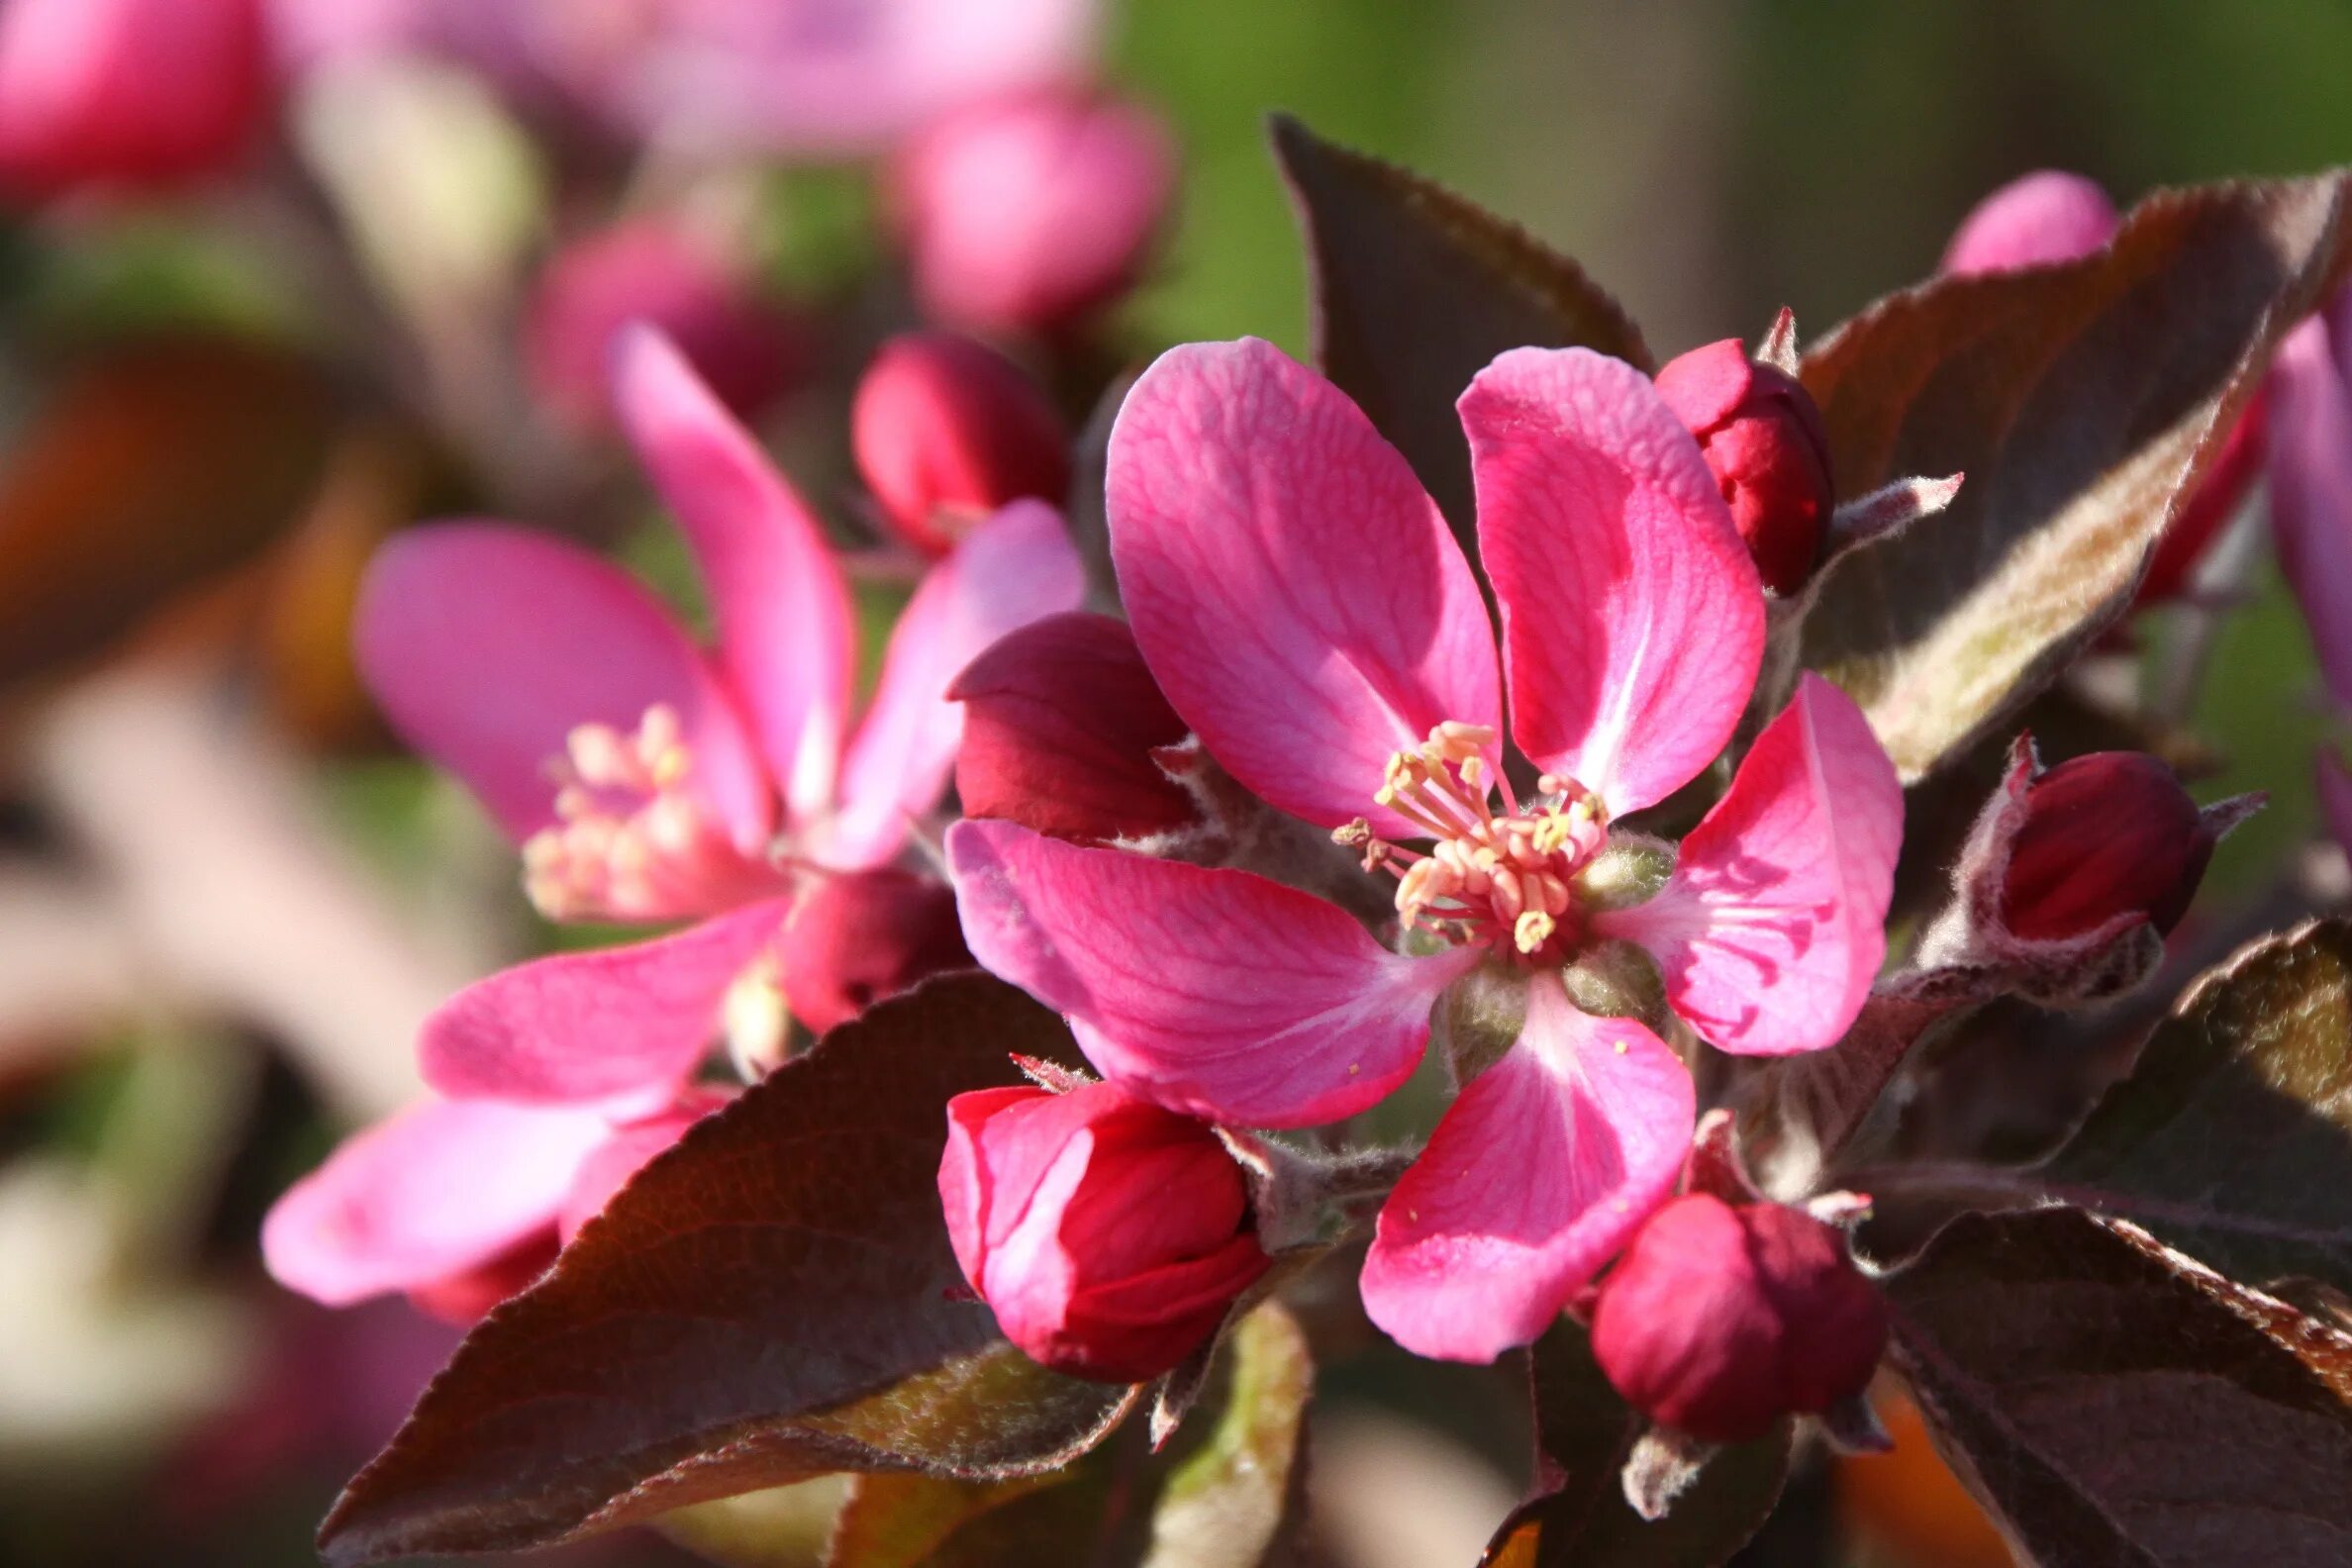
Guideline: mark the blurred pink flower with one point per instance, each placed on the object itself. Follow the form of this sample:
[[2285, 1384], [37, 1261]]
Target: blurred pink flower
[[746, 350], [1026, 213], [127, 94], [648, 782], [1300, 602], [2310, 466], [1107, 1235]]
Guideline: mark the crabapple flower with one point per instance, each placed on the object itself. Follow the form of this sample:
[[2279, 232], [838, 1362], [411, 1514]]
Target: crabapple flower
[[1720, 1319], [1107, 1235], [1027, 213], [2051, 216], [1762, 437], [127, 94], [746, 351], [946, 429], [1300, 602]]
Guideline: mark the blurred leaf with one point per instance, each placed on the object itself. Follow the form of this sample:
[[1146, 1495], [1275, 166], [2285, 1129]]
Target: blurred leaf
[[2083, 403], [1584, 1433], [1227, 1504], [149, 469], [770, 1299], [2232, 1137], [1416, 290], [781, 1527], [901, 1520], [2110, 1403]]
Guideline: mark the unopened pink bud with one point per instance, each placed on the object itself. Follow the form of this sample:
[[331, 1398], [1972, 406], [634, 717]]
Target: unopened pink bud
[[746, 349], [1763, 440], [1107, 1235], [1720, 1319], [127, 94], [858, 937], [1060, 722], [1023, 214], [2104, 835], [946, 429], [2038, 219]]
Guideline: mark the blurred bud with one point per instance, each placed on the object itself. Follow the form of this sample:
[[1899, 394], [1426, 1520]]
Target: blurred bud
[[1720, 1319], [1763, 440], [649, 270], [2181, 547], [857, 937], [946, 430], [1027, 213], [2041, 218], [136, 94], [2103, 836], [1060, 722], [1107, 1235], [2311, 463], [467, 1299]]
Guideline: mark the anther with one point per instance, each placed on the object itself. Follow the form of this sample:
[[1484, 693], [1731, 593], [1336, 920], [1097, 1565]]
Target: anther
[[1533, 929]]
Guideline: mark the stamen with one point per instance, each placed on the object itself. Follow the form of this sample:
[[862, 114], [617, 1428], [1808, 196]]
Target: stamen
[[1533, 929]]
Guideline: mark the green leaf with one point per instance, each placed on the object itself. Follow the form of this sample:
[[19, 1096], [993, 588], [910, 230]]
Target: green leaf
[[2112, 1403], [2232, 1137], [770, 1299], [1585, 1433], [1417, 289], [2083, 403]]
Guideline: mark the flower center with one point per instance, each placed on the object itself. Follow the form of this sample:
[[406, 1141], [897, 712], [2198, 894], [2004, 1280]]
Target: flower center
[[1501, 877], [631, 842]]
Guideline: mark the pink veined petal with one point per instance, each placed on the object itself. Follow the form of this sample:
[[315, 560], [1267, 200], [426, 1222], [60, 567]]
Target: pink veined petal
[[1535, 1177], [2310, 472], [1292, 586], [1016, 567], [777, 593], [609, 1167], [594, 1028], [1632, 615], [1773, 925], [435, 1190], [487, 645], [1215, 993]]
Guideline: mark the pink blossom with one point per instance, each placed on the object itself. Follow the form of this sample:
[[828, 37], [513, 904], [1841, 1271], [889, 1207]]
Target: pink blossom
[[1300, 602], [131, 95], [2310, 466], [1027, 213], [648, 781]]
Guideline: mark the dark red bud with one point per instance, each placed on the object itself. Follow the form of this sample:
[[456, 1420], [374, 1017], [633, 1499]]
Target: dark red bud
[[1060, 721], [1107, 1235], [2108, 834], [1720, 1319], [1763, 440], [858, 937], [946, 429]]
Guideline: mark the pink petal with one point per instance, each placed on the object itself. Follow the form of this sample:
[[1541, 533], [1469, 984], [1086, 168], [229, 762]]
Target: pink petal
[[584, 1027], [1215, 993], [487, 645], [620, 1156], [1293, 588], [2035, 220], [777, 593], [438, 1189], [2311, 430], [1772, 927], [1633, 617], [1535, 1177], [1015, 568]]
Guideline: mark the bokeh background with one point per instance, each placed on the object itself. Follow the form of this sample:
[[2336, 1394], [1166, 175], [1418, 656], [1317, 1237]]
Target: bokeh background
[[225, 898]]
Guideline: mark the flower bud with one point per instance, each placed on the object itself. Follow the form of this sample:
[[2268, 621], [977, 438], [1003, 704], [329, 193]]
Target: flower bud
[[1023, 214], [137, 94], [1108, 1235], [857, 937], [2041, 218], [745, 349], [1061, 718], [946, 430], [1763, 440], [1720, 1319], [2103, 836]]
